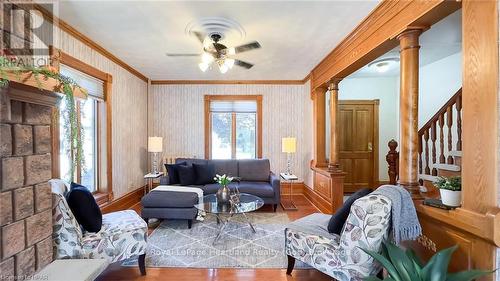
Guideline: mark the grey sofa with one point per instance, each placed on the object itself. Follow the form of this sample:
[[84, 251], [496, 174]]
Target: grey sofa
[[256, 177]]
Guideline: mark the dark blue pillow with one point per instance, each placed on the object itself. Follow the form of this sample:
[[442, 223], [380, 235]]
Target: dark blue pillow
[[205, 173], [84, 208], [173, 174], [187, 176], [338, 219]]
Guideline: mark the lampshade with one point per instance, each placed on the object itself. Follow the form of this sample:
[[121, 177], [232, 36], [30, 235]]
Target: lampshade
[[155, 144], [288, 145]]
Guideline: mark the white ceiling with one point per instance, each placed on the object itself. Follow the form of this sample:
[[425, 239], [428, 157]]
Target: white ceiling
[[295, 35], [443, 39]]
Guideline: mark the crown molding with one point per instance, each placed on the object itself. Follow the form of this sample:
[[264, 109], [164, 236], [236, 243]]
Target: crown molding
[[228, 82], [47, 15]]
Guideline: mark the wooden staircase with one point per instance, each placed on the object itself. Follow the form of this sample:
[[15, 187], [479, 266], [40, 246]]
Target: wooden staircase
[[439, 147]]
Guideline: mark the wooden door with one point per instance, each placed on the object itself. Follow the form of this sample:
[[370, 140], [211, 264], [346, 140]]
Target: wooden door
[[358, 140]]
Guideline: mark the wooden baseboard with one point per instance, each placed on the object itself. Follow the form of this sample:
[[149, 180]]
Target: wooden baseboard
[[124, 202], [319, 202]]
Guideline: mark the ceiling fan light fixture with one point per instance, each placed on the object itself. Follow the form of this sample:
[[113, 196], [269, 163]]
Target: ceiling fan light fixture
[[207, 58], [231, 51], [203, 66], [229, 63], [223, 68]]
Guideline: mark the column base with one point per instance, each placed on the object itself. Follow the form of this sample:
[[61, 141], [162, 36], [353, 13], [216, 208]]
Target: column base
[[413, 188]]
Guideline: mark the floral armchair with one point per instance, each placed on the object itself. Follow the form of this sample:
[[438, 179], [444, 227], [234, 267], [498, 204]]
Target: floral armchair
[[123, 234], [341, 257]]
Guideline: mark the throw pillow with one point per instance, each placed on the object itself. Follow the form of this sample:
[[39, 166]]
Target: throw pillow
[[84, 208], [173, 174], [187, 176], [205, 173], [338, 219]]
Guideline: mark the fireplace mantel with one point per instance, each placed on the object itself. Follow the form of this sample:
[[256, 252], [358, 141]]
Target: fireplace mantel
[[47, 85]]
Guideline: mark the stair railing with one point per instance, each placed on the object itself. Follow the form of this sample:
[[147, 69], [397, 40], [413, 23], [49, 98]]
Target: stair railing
[[434, 145], [432, 138]]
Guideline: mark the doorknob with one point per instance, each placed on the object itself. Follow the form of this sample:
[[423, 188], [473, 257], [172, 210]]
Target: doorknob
[[370, 146]]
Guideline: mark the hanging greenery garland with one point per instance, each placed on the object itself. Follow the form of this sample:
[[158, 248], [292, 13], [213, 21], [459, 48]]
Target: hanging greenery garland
[[74, 132]]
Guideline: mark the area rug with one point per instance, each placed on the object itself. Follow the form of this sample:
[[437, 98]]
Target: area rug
[[172, 244]]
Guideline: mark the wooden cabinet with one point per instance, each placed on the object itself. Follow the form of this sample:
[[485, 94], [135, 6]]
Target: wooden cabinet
[[327, 192], [322, 186]]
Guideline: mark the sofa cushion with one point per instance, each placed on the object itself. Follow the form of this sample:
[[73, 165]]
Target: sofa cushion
[[187, 176], [84, 208], [173, 174], [169, 199], [226, 167], [205, 173], [338, 219], [213, 187], [254, 169], [261, 189]]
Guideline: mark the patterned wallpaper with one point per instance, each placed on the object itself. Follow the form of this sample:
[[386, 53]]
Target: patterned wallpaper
[[129, 115], [176, 113]]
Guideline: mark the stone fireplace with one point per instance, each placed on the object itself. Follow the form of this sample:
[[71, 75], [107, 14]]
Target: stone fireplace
[[26, 133]]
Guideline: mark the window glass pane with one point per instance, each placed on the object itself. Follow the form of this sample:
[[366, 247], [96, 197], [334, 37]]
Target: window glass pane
[[245, 135], [89, 136], [64, 149], [221, 135]]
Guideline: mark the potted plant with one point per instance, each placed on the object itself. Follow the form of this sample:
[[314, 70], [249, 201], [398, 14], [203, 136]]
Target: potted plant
[[450, 190], [404, 265], [223, 194]]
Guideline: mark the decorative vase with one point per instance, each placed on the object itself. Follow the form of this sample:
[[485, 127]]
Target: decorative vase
[[223, 194], [450, 197]]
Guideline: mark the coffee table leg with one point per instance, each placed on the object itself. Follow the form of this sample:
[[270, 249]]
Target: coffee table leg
[[221, 229], [249, 223]]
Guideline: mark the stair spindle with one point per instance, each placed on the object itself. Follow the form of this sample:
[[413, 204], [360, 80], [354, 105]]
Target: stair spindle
[[449, 123], [433, 142], [441, 139], [426, 139], [459, 122], [420, 154]]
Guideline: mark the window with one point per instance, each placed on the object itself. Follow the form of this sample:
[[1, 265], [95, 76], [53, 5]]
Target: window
[[87, 111], [233, 127]]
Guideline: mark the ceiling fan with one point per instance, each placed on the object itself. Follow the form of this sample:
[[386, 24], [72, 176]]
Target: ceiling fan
[[220, 54]]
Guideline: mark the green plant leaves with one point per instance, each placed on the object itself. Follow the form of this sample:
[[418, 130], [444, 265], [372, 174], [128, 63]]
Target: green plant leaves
[[406, 266]]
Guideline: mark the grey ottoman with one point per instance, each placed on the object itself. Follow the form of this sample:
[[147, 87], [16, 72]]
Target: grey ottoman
[[170, 205]]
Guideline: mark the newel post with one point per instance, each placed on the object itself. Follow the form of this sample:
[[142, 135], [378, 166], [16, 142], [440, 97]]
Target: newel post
[[392, 159], [408, 117]]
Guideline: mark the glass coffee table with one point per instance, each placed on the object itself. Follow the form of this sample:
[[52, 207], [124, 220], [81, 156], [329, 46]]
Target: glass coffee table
[[225, 212]]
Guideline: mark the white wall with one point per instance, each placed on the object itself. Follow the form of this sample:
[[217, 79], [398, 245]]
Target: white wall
[[177, 115], [384, 89], [438, 82]]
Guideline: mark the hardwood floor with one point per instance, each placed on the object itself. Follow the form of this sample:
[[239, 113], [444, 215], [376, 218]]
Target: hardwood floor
[[117, 272]]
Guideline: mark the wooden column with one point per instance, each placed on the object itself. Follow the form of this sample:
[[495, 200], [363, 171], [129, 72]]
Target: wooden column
[[319, 129], [334, 164], [408, 117]]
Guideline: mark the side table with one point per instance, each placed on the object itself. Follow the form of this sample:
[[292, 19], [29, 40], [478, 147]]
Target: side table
[[150, 177], [72, 269], [289, 179]]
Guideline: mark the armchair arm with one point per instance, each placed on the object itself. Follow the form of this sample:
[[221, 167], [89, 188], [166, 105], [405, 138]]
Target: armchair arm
[[164, 180], [274, 180]]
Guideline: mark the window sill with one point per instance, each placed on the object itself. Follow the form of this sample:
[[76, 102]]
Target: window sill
[[101, 198]]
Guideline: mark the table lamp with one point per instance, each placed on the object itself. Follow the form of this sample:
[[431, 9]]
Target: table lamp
[[288, 146], [155, 145]]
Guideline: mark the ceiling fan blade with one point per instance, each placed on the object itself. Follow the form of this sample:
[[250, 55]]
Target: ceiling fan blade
[[243, 64], [182, 55], [201, 37], [247, 47], [219, 47]]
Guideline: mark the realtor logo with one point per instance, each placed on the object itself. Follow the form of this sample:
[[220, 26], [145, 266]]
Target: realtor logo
[[26, 34]]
